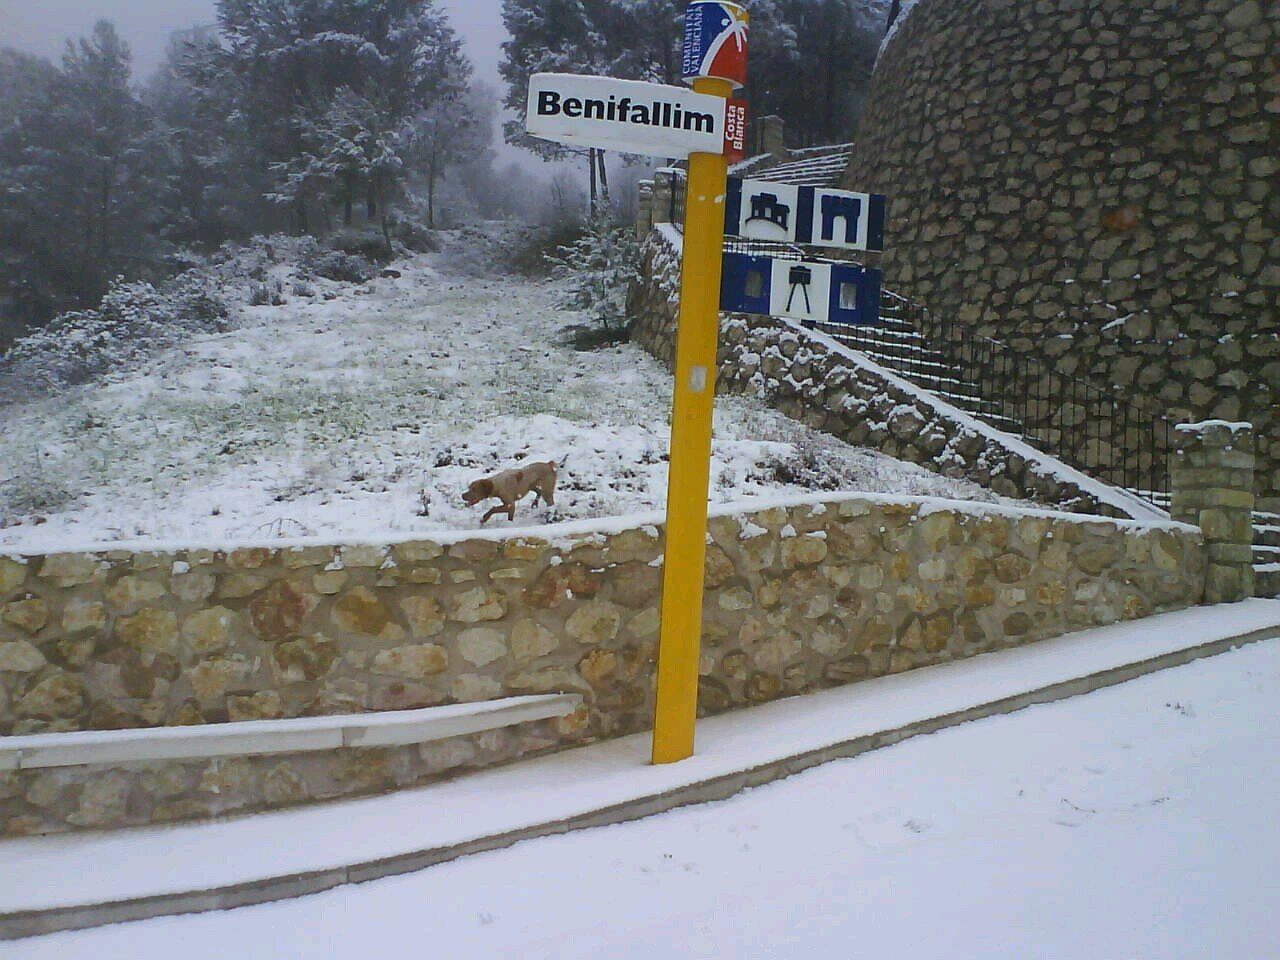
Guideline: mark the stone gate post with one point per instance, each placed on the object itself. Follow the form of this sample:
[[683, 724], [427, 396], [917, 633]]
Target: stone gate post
[[1211, 477]]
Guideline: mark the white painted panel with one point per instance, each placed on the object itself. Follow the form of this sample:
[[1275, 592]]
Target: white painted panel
[[787, 299], [768, 210], [839, 222]]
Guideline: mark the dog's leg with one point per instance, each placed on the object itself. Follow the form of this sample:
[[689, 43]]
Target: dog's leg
[[511, 511], [492, 511]]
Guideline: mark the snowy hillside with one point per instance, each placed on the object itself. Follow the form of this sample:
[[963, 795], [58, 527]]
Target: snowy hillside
[[366, 415]]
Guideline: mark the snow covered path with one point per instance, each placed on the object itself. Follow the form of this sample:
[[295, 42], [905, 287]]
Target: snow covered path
[[368, 414]]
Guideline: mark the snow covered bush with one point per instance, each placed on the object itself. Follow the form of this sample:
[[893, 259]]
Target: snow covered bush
[[411, 230], [344, 267], [531, 255], [599, 267], [368, 244], [132, 320]]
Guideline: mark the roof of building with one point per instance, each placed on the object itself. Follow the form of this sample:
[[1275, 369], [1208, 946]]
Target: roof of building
[[810, 166]]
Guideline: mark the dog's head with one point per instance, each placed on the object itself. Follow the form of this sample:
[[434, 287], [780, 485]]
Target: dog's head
[[479, 490]]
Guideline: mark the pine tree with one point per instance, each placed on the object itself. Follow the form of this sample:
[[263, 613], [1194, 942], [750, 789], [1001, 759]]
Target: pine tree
[[79, 172], [599, 267], [310, 72]]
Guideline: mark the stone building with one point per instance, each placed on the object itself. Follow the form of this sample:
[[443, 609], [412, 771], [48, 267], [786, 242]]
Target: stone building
[[1093, 182]]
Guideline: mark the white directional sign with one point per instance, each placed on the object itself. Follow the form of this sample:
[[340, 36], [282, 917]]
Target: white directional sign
[[626, 115], [763, 210]]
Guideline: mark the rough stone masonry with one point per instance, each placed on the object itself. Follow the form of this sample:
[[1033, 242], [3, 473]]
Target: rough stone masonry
[[806, 594], [1093, 182]]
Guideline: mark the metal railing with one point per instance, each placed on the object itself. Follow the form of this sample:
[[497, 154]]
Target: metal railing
[[1094, 430], [679, 184]]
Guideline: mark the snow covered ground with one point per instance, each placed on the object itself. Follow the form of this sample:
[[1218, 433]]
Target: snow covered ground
[[1134, 822], [368, 414]]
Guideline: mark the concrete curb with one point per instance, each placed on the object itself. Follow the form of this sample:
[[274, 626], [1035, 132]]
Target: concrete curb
[[32, 923]]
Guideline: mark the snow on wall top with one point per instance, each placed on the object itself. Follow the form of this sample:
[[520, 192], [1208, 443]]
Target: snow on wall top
[[1201, 426]]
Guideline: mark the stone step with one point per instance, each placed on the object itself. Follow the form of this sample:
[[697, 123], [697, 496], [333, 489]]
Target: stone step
[[1264, 534], [1265, 554], [1266, 581]]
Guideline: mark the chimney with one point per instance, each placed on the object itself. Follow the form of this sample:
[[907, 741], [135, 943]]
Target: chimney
[[770, 136]]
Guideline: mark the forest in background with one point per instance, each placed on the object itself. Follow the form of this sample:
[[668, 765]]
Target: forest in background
[[324, 117]]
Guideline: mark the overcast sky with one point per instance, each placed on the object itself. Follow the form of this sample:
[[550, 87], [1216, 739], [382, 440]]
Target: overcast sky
[[43, 26]]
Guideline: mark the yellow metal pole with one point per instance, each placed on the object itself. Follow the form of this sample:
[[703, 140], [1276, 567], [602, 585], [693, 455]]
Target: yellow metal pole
[[695, 386]]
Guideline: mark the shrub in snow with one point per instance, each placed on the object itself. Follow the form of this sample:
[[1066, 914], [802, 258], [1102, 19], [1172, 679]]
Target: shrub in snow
[[267, 294], [410, 230], [599, 266], [363, 243], [344, 267], [531, 255], [132, 320]]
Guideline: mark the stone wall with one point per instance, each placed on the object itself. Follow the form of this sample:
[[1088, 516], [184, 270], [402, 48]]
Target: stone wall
[[808, 593], [1213, 488], [1093, 182], [813, 379]]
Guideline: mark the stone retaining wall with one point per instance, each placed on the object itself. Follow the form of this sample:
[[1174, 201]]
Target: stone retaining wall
[[801, 595], [1213, 477]]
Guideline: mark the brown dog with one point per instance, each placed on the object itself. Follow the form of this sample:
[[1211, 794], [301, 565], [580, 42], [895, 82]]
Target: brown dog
[[510, 485]]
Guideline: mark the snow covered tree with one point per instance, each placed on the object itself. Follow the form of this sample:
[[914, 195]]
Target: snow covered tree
[[631, 39], [818, 89], [310, 72], [599, 267], [217, 187], [451, 132], [100, 107], [809, 59], [29, 256], [81, 178]]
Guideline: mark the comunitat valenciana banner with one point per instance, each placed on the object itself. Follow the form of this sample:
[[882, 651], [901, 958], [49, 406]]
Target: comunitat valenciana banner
[[625, 115]]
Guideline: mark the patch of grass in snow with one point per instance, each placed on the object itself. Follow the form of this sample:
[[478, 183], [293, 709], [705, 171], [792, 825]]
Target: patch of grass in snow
[[583, 337]]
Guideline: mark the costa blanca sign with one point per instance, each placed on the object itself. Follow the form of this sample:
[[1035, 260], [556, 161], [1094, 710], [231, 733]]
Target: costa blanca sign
[[626, 115]]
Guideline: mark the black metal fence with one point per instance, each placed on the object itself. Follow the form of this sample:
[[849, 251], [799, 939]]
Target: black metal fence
[[679, 184], [1100, 433]]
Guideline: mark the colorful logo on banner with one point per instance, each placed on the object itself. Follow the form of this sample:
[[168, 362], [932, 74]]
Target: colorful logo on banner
[[715, 41]]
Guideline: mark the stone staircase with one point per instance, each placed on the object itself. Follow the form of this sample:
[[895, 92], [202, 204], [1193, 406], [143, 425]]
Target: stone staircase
[[1266, 554], [896, 344]]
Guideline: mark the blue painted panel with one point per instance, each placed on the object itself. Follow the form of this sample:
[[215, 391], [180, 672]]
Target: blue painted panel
[[745, 283], [875, 225], [855, 295]]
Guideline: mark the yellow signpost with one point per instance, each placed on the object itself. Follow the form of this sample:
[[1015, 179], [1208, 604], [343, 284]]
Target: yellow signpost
[[652, 118], [695, 388], [715, 59]]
